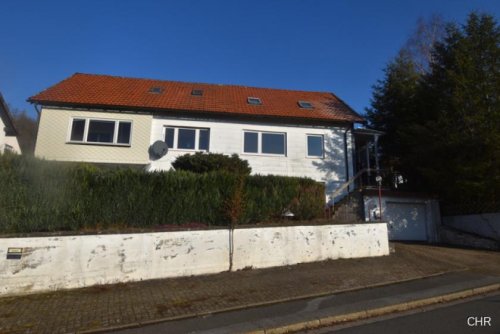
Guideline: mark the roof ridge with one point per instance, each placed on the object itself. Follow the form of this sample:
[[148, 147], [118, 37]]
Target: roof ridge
[[197, 83]]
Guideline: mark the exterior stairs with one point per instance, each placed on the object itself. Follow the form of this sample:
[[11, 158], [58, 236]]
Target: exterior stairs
[[349, 210]]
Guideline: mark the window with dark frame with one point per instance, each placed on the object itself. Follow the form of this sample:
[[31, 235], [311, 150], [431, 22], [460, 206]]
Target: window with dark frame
[[197, 92]]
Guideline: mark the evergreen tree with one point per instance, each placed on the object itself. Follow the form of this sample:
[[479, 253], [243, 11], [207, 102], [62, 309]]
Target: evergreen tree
[[461, 139], [394, 106], [443, 126]]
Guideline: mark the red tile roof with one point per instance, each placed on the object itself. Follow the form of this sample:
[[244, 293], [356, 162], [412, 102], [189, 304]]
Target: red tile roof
[[90, 90]]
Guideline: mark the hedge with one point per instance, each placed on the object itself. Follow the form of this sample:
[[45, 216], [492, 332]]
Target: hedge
[[211, 162], [38, 196]]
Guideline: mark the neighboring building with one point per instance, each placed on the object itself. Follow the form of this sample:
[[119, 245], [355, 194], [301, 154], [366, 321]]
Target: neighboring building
[[115, 120], [8, 133]]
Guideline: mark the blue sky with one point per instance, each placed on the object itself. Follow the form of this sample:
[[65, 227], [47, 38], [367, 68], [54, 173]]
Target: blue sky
[[331, 45]]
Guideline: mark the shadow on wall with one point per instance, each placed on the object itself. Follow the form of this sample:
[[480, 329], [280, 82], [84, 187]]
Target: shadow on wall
[[333, 164]]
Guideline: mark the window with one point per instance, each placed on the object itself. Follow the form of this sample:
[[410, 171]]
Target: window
[[77, 130], [254, 101], [100, 131], [197, 92], [187, 138], [124, 130], [273, 143], [169, 137], [204, 139], [306, 105], [156, 90], [315, 146], [251, 142]]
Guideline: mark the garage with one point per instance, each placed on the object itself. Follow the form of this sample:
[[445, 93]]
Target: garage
[[406, 221], [409, 216]]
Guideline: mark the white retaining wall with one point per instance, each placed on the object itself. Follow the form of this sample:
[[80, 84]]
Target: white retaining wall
[[63, 262]]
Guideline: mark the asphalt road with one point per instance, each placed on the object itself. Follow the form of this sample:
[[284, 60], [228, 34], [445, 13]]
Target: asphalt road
[[296, 311], [463, 317]]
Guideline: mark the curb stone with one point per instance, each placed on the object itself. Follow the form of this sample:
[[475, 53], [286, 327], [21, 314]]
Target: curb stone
[[244, 307], [375, 312]]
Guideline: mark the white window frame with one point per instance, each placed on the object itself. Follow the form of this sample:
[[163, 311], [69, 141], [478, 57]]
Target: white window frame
[[322, 146], [86, 131], [196, 138], [259, 143]]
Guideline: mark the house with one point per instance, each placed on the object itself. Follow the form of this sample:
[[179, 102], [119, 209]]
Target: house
[[115, 120], [8, 132]]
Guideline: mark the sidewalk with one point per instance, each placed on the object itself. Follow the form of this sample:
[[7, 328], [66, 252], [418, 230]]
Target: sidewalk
[[303, 314], [113, 306]]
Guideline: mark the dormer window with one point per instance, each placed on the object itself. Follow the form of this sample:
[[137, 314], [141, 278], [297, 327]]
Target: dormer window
[[254, 101], [156, 90], [306, 105], [197, 92]]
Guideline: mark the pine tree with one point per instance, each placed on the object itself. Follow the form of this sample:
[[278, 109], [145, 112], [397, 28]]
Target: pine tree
[[393, 106], [443, 125], [461, 92]]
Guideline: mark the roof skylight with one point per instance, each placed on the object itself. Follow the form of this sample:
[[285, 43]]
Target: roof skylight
[[197, 92], [156, 90], [254, 101], [306, 105]]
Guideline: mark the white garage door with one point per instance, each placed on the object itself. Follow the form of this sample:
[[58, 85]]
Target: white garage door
[[407, 221]]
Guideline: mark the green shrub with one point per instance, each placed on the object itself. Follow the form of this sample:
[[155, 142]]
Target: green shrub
[[39, 196], [268, 197], [211, 162]]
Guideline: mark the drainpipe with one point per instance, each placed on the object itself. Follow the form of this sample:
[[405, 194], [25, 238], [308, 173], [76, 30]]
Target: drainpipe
[[346, 158], [38, 112], [36, 106], [376, 154]]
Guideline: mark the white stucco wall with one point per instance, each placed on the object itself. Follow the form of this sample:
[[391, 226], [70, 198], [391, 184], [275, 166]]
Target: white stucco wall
[[227, 137], [63, 262], [54, 263], [280, 246], [486, 224], [408, 218], [11, 141]]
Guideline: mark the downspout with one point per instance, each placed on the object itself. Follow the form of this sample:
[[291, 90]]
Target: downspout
[[377, 166], [39, 114], [346, 157], [36, 106]]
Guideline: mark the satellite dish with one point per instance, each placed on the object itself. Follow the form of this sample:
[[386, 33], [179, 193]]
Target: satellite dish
[[158, 149]]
